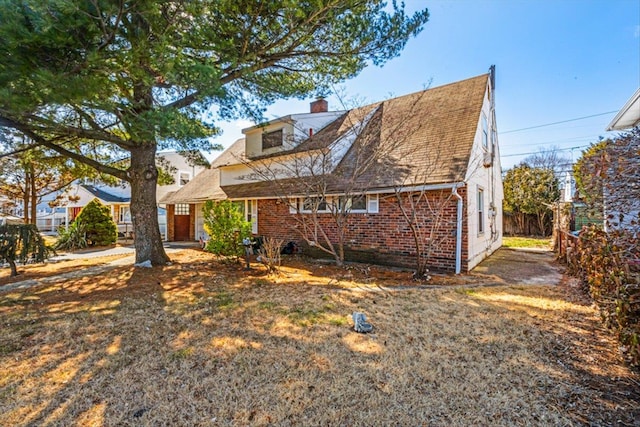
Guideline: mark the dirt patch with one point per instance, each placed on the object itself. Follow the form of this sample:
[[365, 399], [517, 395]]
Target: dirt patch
[[520, 267]]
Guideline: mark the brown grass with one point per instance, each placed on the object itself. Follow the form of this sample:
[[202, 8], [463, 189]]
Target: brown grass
[[203, 343]]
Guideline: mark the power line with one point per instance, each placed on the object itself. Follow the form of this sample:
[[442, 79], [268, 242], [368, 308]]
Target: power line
[[557, 123], [538, 152]]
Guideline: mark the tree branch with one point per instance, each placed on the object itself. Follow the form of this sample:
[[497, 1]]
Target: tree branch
[[39, 140]]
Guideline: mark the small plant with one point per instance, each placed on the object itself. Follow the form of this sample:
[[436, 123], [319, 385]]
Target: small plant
[[270, 253], [73, 237]]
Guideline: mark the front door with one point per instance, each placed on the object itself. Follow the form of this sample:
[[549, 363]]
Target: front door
[[181, 223]]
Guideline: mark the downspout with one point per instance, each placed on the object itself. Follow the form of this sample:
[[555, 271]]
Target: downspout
[[454, 191]]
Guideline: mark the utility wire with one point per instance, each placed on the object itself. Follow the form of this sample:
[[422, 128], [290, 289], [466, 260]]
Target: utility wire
[[538, 152], [557, 123]]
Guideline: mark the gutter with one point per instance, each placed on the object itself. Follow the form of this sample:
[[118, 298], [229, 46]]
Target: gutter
[[454, 191]]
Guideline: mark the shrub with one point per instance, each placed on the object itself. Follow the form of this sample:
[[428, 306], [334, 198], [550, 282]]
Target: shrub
[[71, 238], [22, 243], [224, 222], [98, 224], [608, 264]]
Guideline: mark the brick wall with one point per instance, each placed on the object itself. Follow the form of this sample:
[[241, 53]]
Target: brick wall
[[192, 222], [171, 209], [381, 238]]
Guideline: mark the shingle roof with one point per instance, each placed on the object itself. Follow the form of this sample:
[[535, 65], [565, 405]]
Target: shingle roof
[[421, 138], [206, 185], [104, 195]]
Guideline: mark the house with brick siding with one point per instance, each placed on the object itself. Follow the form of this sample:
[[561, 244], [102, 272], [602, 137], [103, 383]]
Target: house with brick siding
[[427, 161]]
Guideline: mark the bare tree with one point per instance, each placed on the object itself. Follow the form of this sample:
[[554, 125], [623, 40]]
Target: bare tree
[[326, 178]]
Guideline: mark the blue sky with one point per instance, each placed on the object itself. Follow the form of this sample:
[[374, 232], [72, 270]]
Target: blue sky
[[556, 60]]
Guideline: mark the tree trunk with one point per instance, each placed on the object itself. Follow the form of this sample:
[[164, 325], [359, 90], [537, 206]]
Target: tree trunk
[[34, 201], [26, 198], [144, 210], [14, 269]]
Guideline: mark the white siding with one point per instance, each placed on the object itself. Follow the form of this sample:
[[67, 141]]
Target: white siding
[[489, 179]]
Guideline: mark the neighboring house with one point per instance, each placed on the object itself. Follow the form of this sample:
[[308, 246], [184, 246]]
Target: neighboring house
[[441, 140], [78, 196], [118, 198], [628, 116]]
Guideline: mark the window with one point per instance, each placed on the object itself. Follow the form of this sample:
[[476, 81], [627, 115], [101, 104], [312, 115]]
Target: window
[[353, 203], [124, 215], [314, 204], [249, 210], [480, 211], [485, 132], [184, 178], [182, 209], [272, 139]]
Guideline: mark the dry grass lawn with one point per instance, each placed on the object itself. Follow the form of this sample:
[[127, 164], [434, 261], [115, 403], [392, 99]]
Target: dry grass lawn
[[202, 343]]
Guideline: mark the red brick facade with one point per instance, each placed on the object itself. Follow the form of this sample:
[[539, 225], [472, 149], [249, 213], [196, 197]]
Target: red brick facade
[[381, 238], [171, 209]]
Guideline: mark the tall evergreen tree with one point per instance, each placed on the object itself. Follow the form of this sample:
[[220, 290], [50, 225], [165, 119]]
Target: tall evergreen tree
[[128, 78]]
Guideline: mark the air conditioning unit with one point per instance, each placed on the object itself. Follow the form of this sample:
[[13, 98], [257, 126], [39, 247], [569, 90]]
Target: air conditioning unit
[[487, 159]]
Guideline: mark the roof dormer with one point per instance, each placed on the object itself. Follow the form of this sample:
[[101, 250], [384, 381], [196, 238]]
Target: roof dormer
[[285, 133]]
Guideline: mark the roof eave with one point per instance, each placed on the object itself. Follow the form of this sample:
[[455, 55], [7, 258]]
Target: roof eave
[[628, 116]]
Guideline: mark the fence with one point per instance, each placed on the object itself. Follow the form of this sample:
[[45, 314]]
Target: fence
[[565, 244]]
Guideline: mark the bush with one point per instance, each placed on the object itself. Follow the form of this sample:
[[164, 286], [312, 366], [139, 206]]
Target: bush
[[98, 224], [608, 264], [22, 243], [224, 222], [71, 238]]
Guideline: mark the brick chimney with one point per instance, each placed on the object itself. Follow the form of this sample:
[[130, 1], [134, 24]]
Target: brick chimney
[[320, 105]]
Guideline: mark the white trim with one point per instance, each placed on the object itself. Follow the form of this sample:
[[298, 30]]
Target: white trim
[[386, 190], [373, 203], [454, 191], [632, 112], [293, 204], [328, 202], [253, 204], [480, 210]]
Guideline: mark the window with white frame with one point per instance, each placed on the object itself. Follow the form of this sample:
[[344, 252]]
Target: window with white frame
[[352, 203], [124, 214], [480, 204], [314, 204], [485, 131], [184, 178], [249, 210]]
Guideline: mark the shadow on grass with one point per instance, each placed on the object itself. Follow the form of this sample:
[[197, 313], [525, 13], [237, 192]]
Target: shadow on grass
[[197, 343]]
